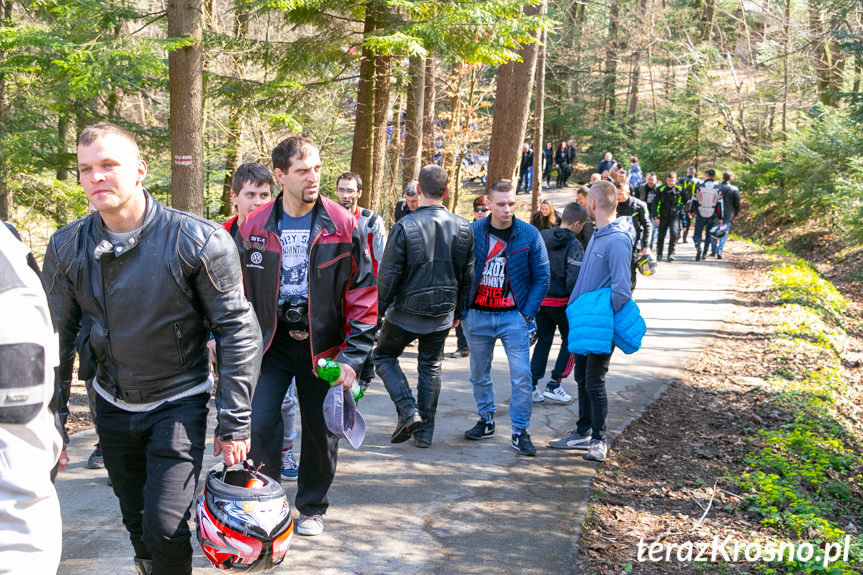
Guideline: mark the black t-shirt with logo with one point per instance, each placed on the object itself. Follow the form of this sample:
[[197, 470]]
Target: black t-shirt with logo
[[493, 292]]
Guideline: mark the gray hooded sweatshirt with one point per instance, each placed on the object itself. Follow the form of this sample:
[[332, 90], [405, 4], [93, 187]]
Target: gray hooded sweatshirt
[[607, 263]]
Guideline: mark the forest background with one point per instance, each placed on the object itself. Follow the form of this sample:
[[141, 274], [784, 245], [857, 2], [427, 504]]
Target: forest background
[[770, 88]]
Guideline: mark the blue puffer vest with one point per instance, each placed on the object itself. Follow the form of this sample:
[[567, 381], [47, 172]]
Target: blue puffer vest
[[526, 264], [593, 327]]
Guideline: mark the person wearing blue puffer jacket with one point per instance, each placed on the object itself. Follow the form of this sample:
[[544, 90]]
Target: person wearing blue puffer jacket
[[606, 264], [510, 281]]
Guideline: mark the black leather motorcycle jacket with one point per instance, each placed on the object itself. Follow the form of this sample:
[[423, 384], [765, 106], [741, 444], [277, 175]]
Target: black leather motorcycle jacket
[[139, 313]]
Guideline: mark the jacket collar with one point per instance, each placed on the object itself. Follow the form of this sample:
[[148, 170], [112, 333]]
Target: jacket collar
[[104, 246], [321, 218]]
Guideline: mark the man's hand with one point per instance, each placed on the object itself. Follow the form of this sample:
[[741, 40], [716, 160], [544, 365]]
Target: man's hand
[[644, 251], [211, 348], [347, 376], [63, 462], [455, 323], [232, 452]]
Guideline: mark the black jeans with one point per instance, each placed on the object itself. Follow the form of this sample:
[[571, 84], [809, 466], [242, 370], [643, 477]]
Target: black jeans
[[154, 459], [429, 354], [590, 373], [667, 225], [285, 359], [547, 319], [461, 340]]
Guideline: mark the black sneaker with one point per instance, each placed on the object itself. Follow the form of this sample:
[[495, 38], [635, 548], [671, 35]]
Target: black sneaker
[[698, 256], [521, 442], [457, 354], [481, 430], [406, 426], [670, 258], [719, 255], [95, 461]]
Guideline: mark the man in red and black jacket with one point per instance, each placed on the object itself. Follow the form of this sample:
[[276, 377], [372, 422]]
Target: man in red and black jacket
[[308, 273]]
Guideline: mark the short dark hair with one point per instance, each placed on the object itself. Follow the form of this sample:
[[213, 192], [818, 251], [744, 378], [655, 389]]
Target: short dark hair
[[504, 186], [573, 212], [727, 175], [250, 172], [290, 149], [671, 174], [351, 176], [432, 181], [581, 191], [711, 173], [92, 133]]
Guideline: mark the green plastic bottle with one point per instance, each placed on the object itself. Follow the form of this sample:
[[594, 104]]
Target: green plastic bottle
[[329, 371]]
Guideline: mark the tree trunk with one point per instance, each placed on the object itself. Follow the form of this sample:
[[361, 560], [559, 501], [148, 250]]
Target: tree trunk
[[451, 159], [186, 111], [609, 81], [707, 13], [362, 155], [414, 121], [62, 135], [5, 200], [539, 118], [373, 191], [234, 134], [429, 100], [396, 145], [786, 25], [633, 87], [511, 110]]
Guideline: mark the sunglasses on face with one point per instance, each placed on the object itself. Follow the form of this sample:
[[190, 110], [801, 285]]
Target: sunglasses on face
[[482, 210]]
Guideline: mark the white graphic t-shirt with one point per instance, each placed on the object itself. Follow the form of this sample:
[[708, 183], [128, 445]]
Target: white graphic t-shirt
[[295, 256]]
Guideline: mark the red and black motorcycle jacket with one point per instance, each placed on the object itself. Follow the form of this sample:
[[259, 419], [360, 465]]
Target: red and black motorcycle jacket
[[343, 295]]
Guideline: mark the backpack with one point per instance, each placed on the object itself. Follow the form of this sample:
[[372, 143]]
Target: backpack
[[708, 197]]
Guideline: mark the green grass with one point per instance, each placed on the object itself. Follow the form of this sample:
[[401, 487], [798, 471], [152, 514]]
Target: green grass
[[806, 473]]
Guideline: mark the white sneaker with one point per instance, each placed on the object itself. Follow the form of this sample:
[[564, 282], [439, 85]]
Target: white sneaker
[[537, 396], [557, 394], [310, 525]]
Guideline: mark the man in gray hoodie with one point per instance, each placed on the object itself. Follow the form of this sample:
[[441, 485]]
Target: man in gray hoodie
[[606, 264]]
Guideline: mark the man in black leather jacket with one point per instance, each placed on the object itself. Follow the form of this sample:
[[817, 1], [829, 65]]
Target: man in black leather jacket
[[628, 205], [150, 283], [423, 284]]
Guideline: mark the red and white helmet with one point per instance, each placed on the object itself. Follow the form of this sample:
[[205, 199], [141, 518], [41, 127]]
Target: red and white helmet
[[244, 519]]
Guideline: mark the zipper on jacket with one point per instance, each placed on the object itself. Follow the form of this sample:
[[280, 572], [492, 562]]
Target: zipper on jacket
[[104, 309], [179, 335]]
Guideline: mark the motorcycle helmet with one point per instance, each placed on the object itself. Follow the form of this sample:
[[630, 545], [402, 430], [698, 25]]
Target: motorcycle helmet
[[244, 519], [719, 231], [646, 265]]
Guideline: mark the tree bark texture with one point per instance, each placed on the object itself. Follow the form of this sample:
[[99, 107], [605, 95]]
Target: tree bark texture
[[539, 117], [234, 135], [371, 198], [429, 101], [185, 83], [414, 120], [609, 81], [511, 110]]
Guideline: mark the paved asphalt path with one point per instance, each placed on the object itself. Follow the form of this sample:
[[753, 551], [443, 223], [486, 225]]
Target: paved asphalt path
[[460, 506]]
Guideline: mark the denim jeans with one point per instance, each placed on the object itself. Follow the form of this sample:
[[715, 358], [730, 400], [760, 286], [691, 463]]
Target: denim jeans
[[720, 243], [590, 371], [154, 460], [392, 343], [547, 319], [289, 416], [285, 360], [483, 329], [702, 231], [461, 340]]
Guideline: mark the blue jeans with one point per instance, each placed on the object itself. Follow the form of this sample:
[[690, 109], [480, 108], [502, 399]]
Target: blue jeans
[[702, 231], [717, 245], [483, 329]]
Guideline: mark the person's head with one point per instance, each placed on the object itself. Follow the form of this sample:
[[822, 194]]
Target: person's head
[[573, 217], [727, 176], [650, 178], [549, 145], [601, 200], [297, 167], [525, 148], [480, 207], [595, 178], [501, 199], [608, 156], [412, 198], [622, 191], [569, 143], [111, 170], [563, 146], [251, 188], [633, 159], [581, 195], [349, 190], [710, 173], [606, 175], [670, 179], [432, 182], [546, 209], [690, 172]]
